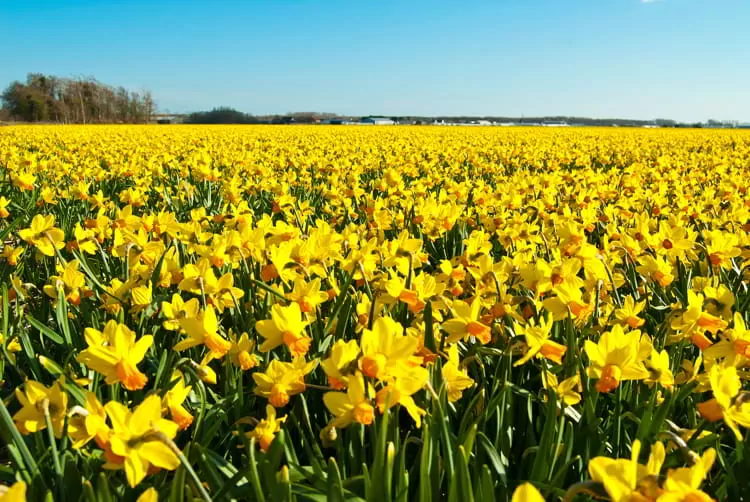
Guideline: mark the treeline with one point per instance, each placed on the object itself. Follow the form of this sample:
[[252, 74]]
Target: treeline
[[47, 98], [225, 115], [221, 115]]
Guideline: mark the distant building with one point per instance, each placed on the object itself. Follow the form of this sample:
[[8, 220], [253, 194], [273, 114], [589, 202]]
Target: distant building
[[377, 121], [338, 121], [167, 118], [555, 123]]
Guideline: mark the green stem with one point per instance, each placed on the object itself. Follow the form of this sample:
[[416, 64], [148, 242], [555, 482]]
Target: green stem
[[159, 435], [53, 444]]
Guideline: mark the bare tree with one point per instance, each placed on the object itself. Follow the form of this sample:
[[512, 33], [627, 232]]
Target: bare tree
[[75, 100]]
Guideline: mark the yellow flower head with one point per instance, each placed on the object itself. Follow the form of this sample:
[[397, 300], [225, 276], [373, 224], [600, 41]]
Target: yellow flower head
[[44, 235], [265, 432], [203, 330], [282, 380], [34, 399], [354, 405], [385, 348], [339, 365], [137, 441], [455, 379], [286, 327], [115, 354], [616, 357]]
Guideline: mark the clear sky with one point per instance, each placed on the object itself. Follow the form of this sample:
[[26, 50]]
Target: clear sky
[[681, 59]]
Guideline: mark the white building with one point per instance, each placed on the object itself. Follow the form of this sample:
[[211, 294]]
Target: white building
[[378, 121]]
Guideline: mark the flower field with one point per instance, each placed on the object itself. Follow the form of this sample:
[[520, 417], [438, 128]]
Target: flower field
[[389, 314]]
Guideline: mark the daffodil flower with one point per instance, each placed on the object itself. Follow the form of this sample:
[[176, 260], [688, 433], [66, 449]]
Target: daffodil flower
[[354, 405], [115, 353], [33, 400], [267, 428], [136, 439], [286, 327]]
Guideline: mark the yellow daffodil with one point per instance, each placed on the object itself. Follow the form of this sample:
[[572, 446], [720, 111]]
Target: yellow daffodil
[[659, 369], [526, 492], [136, 439], [616, 357], [466, 323], [70, 284], [241, 351], [265, 432], [14, 493], [12, 254], [89, 423], [694, 321], [405, 382], [178, 309], [621, 477], [33, 400], [115, 354], [203, 330], [455, 379], [12, 347], [282, 380], [175, 397], [44, 235], [628, 314], [286, 327], [384, 348], [149, 495], [354, 405], [4, 203], [567, 391], [307, 295], [538, 343], [338, 366], [726, 385]]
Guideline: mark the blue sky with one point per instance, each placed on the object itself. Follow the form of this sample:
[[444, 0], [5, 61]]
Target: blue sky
[[681, 59]]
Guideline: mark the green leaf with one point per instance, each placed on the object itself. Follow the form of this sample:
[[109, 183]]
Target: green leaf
[[335, 487], [486, 488], [72, 478], [543, 457], [30, 469], [495, 461], [61, 312], [465, 490], [425, 465], [343, 296], [252, 471], [103, 493], [44, 330], [429, 333], [177, 493]]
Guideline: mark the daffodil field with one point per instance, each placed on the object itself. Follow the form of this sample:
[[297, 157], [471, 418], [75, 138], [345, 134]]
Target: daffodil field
[[374, 313]]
